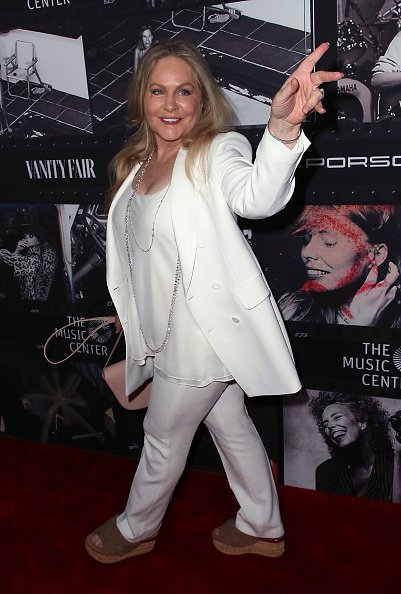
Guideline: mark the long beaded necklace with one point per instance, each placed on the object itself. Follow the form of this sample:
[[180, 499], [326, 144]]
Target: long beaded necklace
[[177, 277]]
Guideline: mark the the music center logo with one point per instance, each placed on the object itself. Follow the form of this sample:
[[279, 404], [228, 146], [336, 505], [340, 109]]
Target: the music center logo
[[377, 365], [397, 358], [36, 4], [84, 338]]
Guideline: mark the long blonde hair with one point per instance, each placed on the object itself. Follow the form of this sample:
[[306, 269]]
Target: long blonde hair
[[216, 116]]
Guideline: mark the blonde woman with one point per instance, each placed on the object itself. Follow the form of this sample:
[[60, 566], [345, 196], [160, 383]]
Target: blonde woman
[[189, 292]]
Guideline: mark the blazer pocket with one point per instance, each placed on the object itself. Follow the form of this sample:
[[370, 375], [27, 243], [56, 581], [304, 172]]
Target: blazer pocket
[[253, 292]]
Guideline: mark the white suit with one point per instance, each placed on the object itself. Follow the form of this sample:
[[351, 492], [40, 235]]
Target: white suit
[[231, 302], [225, 289]]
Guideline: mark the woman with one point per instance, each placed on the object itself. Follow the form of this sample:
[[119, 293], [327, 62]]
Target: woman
[[144, 43], [34, 262], [352, 264], [386, 73], [356, 432], [189, 292], [386, 80]]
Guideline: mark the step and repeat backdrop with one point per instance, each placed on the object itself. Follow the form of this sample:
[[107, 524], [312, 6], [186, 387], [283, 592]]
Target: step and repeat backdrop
[[332, 257]]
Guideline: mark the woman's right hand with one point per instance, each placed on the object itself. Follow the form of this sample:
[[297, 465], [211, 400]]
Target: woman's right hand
[[371, 299], [21, 246]]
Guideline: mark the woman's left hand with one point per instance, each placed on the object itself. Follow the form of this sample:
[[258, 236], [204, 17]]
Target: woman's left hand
[[301, 94], [6, 257]]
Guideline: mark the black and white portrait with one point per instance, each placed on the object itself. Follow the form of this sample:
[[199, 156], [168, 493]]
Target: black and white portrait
[[369, 54], [83, 236], [31, 261], [44, 85], [343, 443], [336, 264], [250, 46]]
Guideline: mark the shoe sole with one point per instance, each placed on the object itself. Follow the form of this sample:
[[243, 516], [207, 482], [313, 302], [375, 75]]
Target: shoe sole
[[267, 549], [141, 549]]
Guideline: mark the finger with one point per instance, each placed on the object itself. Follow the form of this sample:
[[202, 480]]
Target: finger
[[289, 88], [390, 295], [325, 76], [393, 273], [309, 63], [314, 103], [370, 280], [309, 107], [391, 277]]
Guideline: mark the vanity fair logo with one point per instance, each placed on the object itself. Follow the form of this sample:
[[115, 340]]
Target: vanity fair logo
[[35, 4], [61, 168], [354, 161], [377, 364]]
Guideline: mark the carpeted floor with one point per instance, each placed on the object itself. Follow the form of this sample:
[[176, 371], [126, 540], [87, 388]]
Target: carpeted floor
[[52, 496]]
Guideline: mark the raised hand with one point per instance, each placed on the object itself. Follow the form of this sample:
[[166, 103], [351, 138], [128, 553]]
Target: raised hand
[[371, 299], [21, 246], [300, 95]]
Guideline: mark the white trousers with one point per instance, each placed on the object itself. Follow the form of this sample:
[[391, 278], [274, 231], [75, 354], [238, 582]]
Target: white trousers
[[175, 411]]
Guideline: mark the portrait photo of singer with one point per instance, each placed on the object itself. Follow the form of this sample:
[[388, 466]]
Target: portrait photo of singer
[[357, 432], [30, 254], [191, 298], [350, 258]]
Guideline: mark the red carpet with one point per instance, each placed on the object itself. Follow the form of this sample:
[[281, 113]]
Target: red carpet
[[52, 496]]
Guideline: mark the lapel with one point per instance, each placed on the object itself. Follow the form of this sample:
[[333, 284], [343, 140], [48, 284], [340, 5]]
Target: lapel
[[184, 216], [114, 238], [123, 187]]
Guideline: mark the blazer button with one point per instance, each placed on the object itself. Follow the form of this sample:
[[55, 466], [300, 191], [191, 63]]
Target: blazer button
[[202, 243], [216, 286], [235, 320]]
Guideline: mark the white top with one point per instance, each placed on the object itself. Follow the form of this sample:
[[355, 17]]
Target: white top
[[188, 357], [391, 60]]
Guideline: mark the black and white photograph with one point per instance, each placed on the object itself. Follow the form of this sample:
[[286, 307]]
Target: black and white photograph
[[336, 264], [83, 233], [251, 47], [43, 86], [31, 257], [369, 54], [67, 404], [343, 443], [53, 253]]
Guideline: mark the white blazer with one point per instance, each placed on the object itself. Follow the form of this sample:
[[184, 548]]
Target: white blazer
[[224, 286]]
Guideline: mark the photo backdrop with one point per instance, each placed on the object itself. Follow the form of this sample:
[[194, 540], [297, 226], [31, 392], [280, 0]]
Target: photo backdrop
[[65, 70]]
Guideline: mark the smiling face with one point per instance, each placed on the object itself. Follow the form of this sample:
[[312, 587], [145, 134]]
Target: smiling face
[[340, 425], [335, 253], [173, 101]]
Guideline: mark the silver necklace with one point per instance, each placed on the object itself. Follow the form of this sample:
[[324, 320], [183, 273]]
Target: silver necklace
[[133, 196], [177, 277]]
